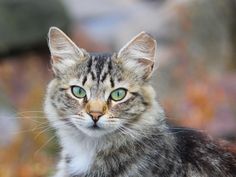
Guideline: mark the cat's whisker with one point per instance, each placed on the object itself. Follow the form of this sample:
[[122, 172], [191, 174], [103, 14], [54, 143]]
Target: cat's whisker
[[36, 127], [41, 147], [77, 118], [23, 117], [43, 131], [25, 131], [25, 112]]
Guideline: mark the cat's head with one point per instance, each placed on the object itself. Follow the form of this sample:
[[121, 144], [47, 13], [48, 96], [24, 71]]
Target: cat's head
[[99, 94]]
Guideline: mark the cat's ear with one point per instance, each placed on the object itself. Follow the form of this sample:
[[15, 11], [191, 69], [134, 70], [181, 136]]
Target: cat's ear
[[139, 54], [64, 52]]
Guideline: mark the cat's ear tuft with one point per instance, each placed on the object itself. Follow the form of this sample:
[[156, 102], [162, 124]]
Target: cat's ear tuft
[[139, 54], [64, 52]]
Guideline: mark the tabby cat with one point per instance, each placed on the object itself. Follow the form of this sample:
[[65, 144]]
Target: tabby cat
[[108, 121]]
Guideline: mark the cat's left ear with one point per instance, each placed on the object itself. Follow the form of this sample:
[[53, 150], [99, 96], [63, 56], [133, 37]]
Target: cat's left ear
[[64, 52], [139, 55]]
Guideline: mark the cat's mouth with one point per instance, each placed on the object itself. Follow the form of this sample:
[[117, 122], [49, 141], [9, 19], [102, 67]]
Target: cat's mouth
[[95, 127], [94, 130]]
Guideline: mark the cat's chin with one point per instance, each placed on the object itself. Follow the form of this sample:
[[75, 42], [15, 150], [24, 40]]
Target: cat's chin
[[94, 132]]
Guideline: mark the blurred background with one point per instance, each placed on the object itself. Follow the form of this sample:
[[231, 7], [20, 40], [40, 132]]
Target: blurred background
[[195, 81]]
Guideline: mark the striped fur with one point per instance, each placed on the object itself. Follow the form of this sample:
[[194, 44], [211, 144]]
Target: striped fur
[[131, 137]]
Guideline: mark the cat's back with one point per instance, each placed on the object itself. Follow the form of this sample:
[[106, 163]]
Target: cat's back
[[199, 153]]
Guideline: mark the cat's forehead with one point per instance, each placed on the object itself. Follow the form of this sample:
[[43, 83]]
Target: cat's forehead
[[99, 69], [99, 63], [99, 72]]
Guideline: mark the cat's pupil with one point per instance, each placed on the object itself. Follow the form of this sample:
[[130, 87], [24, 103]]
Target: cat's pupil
[[118, 94], [80, 91]]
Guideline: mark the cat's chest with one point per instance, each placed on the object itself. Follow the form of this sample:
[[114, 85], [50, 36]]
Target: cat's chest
[[81, 158]]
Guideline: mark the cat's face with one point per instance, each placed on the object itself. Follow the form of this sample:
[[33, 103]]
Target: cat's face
[[99, 94]]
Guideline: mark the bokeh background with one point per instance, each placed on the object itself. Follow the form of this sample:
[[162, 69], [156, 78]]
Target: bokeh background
[[195, 81]]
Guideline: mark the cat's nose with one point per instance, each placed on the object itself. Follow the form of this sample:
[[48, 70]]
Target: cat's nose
[[96, 109], [95, 115]]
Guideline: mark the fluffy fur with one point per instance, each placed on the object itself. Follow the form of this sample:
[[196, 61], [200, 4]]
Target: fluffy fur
[[131, 137]]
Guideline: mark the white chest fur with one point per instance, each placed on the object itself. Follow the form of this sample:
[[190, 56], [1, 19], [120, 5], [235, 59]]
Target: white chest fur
[[82, 160], [81, 151]]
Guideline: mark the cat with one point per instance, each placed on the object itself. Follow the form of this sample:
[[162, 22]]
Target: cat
[[108, 121]]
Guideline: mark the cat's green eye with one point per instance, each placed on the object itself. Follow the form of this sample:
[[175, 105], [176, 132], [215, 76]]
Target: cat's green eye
[[78, 92], [118, 94]]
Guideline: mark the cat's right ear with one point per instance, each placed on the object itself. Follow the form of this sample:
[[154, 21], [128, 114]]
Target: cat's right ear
[[139, 55], [64, 52]]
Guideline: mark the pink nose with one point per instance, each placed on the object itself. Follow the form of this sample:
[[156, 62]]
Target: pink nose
[[95, 115]]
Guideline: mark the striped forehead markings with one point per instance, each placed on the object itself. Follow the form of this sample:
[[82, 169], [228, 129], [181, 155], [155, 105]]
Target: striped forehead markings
[[100, 63], [99, 66]]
